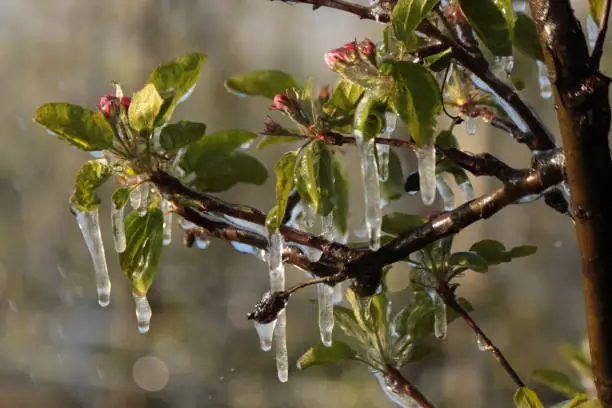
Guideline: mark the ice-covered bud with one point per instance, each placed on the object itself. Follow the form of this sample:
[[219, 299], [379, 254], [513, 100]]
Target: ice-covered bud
[[125, 101], [283, 103], [268, 308], [367, 48], [347, 54], [106, 105]]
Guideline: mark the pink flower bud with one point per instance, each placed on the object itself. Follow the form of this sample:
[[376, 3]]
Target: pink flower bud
[[282, 102], [346, 54], [106, 105], [125, 101], [367, 48]]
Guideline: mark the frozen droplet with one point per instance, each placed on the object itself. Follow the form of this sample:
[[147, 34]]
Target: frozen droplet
[[325, 294], [201, 242], [339, 292], [143, 312], [481, 344], [166, 208], [468, 190], [440, 323], [249, 249], [90, 228], [445, 192], [471, 125], [369, 172], [592, 30], [382, 150], [186, 95], [544, 81], [502, 66], [265, 333], [118, 228], [426, 157], [280, 344]]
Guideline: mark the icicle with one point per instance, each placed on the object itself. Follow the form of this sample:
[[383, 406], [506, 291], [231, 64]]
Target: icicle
[[481, 344], [280, 340], [382, 150], [369, 171], [426, 157], [592, 30], [90, 228], [468, 190], [392, 391], [447, 195], [144, 199], [166, 207], [503, 65], [136, 197], [143, 312], [339, 292], [545, 86], [519, 6], [118, 228], [365, 302], [439, 314], [471, 126], [326, 312], [265, 333]]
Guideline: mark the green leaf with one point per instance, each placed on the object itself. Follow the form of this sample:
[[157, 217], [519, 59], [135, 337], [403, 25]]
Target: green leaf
[[526, 398], [319, 354], [558, 381], [177, 135], [399, 224], [90, 177], [77, 125], [417, 100], [587, 404], [314, 177], [393, 187], [494, 252], [223, 142], [579, 360], [144, 108], [121, 197], [440, 61], [346, 322], [219, 171], [526, 37], [368, 121], [493, 21], [341, 205], [408, 14], [285, 168], [266, 83], [447, 140], [344, 99], [272, 140], [144, 237], [596, 8], [178, 76], [469, 260]]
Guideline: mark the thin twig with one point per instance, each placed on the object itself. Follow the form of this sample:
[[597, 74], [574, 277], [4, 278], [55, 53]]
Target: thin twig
[[601, 36], [449, 298], [402, 386]]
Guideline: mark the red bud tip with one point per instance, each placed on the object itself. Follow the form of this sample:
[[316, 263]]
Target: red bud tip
[[125, 101]]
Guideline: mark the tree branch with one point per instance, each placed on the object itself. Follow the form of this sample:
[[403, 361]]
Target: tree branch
[[403, 387], [601, 36], [583, 112]]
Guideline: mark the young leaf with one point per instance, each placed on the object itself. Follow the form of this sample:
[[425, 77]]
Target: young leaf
[[314, 177], [493, 21], [341, 204], [285, 168], [77, 125], [526, 398], [408, 14], [558, 381], [177, 135], [344, 99], [393, 187], [144, 237], [399, 224], [266, 83], [272, 140], [120, 197], [596, 7], [219, 170], [494, 252], [417, 100], [526, 37], [144, 108], [178, 76], [223, 142], [320, 354], [578, 359], [90, 177], [469, 260]]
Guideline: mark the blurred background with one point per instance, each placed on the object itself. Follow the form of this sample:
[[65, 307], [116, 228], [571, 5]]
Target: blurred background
[[58, 348]]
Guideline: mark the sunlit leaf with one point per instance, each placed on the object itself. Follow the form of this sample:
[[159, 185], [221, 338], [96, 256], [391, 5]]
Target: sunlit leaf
[[596, 8], [284, 170], [266, 83], [526, 37], [494, 252], [493, 21], [558, 381], [468, 260], [320, 354], [314, 177], [90, 177], [408, 14], [400, 224], [144, 108], [526, 398], [120, 197], [177, 135], [219, 170]]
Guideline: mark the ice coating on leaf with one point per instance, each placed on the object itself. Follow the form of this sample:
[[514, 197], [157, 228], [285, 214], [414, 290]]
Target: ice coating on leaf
[[143, 312], [166, 207], [544, 81], [592, 30], [90, 228], [382, 150], [426, 157], [118, 228], [447, 195], [440, 323], [280, 340], [503, 66], [136, 197], [468, 190], [265, 333], [471, 126], [325, 294], [391, 390]]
